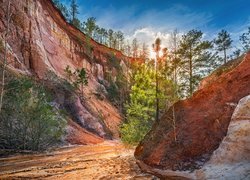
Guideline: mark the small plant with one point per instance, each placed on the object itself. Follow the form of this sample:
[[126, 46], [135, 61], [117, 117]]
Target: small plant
[[114, 62], [68, 72], [113, 92], [89, 47], [78, 77], [81, 78], [100, 92]]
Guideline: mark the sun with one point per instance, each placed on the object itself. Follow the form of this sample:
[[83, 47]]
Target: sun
[[152, 54]]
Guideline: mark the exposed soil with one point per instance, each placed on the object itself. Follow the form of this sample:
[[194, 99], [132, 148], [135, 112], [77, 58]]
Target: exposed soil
[[109, 160]]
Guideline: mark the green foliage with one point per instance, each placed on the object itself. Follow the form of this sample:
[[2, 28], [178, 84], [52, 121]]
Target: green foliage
[[54, 79], [77, 23], [245, 40], [88, 46], [113, 92], [100, 92], [114, 62], [195, 57], [28, 120], [89, 26], [223, 42], [81, 77], [78, 77], [118, 88], [64, 10], [69, 14], [68, 72], [73, 10], [140, 111]]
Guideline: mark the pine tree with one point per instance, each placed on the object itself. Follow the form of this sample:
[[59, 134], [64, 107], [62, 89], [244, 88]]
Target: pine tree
[[135, 48], [81, 78], [90, 26], [157, 49], [245, 40], [120, 37], [140, 111], [73, 10], [110, 37], [64, 10], [127, 49], [223, 43], [194, 56]]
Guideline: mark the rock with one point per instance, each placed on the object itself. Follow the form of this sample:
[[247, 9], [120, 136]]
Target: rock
[[230, 161], [42, 43], [201, 124], [77, 135]]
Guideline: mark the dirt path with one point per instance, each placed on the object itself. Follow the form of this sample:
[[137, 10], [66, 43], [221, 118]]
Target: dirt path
[[109, 160]]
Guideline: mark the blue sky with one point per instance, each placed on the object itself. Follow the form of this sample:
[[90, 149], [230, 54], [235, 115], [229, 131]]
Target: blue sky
[[146, 19]]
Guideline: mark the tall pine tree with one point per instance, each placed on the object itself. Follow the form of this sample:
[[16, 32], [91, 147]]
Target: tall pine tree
[[194, 55], [223, 43]]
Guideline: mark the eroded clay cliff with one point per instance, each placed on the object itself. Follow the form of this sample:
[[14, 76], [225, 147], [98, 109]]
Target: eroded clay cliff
[[201, 124], [41, 43]]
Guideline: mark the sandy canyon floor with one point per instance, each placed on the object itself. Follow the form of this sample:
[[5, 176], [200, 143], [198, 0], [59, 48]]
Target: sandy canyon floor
[[109, 160]]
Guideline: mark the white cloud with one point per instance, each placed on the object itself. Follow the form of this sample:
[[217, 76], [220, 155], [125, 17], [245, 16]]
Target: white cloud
[[149, 25], [148, 36]]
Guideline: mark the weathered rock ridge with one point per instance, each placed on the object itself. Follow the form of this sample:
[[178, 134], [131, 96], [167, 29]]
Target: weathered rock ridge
[[201, 124], [41, 43]]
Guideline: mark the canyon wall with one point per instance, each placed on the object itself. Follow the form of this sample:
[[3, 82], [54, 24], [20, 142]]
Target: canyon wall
[[202, 122], [42, 44]]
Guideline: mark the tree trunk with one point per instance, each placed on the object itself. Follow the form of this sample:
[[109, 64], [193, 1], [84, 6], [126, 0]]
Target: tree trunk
[[225, 56], [190, 77], [157, 89], [174, 126]]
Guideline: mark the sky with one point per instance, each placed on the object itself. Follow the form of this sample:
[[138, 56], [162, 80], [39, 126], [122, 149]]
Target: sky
[[148, 19]]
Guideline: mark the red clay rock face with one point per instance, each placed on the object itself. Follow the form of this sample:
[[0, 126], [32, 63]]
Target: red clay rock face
[[201, 123], [41, 41], [77, 135]]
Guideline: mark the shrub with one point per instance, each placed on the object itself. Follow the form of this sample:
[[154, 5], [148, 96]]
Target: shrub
[[140, 110], [113, 92], [79, 77], [114, 62], [28, 121], [100, 92]]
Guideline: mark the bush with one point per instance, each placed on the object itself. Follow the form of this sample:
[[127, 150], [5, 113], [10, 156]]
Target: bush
[[113, 92], [28, 121], [140, 110], [114, 62]]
